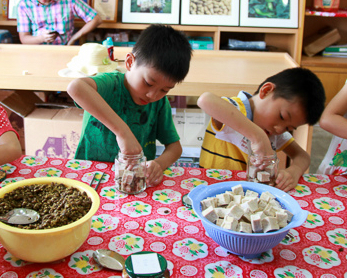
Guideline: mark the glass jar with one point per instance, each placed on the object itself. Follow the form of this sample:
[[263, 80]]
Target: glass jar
[[262, 169], [130, 173], [145, 263]]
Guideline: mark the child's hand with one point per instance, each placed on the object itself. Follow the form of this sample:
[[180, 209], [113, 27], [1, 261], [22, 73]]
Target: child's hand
[[262, 147], [286, 180], [154, 173], [129, 145]]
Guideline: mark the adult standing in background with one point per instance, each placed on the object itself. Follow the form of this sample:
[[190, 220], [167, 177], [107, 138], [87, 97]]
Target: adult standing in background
[[52, 21]]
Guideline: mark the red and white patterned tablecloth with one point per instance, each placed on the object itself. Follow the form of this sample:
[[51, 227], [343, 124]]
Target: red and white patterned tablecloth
[[156, 220]]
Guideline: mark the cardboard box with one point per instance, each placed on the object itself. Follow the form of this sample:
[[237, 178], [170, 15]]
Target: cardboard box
[[318, 42], [53, 132], [50, 130]]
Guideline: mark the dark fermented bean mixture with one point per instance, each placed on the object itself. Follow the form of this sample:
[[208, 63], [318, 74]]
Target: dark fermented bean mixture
[[57, 204]]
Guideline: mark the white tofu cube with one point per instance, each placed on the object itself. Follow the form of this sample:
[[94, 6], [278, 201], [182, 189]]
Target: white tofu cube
[[230, 223], [236, 211], [208, 202], [269, 210], [262, 204], [290, 215], [251, 193], [261, 214], [219, 222], [269, 224], [231, 204], [223, 199], [275, 204], [263, 176], [256, 223], [238, 190], [238, 199], [244, 227], [231, 196], [252, 204], [210, 214], [267, 196], [221, 212], [245, 207], [252, 171], [246, 217], [282, 219]]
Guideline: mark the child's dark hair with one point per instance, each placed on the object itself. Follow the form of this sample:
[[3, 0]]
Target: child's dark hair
[[165, 49], [302, 84]]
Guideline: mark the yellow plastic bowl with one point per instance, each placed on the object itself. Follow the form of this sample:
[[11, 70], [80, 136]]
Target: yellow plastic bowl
[[48, 245]]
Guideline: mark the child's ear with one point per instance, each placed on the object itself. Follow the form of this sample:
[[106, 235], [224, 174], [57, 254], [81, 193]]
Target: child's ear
[[266, 89], [129, 60]]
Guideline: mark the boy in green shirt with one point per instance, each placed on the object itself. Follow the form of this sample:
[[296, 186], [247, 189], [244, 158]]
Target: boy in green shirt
[[128, 112]]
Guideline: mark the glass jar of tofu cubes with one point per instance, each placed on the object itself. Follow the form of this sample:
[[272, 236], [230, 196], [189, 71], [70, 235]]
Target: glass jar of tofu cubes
[[262, 169], [130, 172]]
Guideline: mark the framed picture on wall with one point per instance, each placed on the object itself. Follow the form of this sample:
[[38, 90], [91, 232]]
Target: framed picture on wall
[[151, 11], [197, 12], [276, 13], [107, 9], [12, 9]]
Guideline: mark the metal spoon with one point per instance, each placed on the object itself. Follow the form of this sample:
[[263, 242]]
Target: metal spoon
[[20, 216], [109, 259]]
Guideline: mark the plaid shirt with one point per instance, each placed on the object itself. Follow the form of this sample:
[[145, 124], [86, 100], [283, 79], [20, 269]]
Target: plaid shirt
[[58, 16]]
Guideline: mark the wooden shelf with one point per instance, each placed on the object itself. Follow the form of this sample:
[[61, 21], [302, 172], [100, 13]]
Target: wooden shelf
[[189, 28], [320, 61], [282, 39], [7, 22], [339, 13], [332, 71]]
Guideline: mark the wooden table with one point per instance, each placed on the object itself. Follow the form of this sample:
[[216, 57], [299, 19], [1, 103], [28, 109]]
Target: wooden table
[[156, 220], [220, 72]]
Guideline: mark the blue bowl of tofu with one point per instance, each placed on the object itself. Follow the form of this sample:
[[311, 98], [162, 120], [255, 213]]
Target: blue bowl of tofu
[[246, 218]]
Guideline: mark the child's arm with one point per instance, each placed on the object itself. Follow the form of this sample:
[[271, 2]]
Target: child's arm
[[288, 178], [225, 113], [10, 148], [332, 119], [84, 92], [156, 167]]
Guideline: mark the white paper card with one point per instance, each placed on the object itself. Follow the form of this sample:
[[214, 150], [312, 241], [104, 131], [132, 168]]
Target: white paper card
[[145, 263]]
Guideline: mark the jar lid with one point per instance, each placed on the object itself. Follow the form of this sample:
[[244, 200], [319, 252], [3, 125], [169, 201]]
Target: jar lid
[[186, 201], [137, 259], [2, 175]]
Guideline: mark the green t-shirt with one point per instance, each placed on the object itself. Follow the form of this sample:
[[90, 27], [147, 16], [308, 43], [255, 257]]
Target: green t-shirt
[[147, 122]]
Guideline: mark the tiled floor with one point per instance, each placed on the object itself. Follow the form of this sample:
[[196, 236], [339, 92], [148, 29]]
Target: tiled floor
[[320, 143]]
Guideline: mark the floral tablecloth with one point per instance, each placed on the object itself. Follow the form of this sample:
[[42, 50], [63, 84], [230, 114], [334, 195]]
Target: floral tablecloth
[[156, 220]]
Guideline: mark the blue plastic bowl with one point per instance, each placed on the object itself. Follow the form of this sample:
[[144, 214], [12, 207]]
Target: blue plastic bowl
[[248, 245]]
